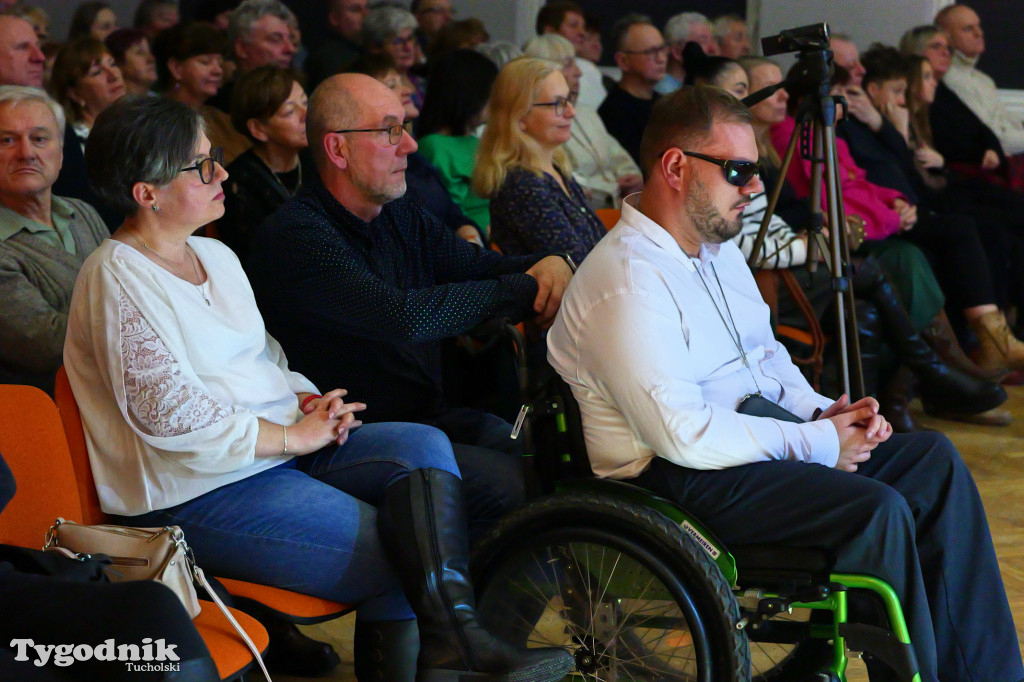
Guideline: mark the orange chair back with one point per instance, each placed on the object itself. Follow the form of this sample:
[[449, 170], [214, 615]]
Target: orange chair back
[[608, 216], [72, 420], [33, 445]]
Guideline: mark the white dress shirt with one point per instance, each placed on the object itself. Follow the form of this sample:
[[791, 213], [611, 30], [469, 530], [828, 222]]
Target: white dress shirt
[[978, 91], [655, 370]]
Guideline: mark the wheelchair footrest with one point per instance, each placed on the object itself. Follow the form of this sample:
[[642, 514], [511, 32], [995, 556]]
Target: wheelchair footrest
[[883, 645]]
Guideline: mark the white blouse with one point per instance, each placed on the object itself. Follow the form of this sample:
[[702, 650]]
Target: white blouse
[[170, 388], [598, 160]]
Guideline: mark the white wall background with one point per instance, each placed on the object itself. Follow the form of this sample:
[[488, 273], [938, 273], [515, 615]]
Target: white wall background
[[60, 12]]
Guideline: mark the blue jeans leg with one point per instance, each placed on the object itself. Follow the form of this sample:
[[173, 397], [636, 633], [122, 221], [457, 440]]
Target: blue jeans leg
[[287, 528]]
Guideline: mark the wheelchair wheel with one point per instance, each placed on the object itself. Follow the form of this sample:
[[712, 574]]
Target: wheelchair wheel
[[620, 586]]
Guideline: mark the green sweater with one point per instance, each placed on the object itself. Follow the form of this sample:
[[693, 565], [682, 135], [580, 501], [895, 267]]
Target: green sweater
[[37, 277], [455, 157]]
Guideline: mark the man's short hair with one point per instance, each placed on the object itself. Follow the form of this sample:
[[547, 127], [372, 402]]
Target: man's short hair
[[721, 26], [553, 14], [883, 63], [20, 94], [147, 9], [139, 138], [677, 28], [621, 27], [331, 107], [684, 119], [249, 12], [384, 23], [942, 18]]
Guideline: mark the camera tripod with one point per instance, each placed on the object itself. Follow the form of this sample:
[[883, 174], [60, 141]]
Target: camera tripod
[[815, 130]]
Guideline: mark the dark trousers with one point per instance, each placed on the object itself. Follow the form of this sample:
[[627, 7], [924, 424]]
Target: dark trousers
[[491, 464], [910, 516], [953, 246]]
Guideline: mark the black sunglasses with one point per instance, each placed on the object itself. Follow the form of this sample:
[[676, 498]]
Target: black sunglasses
[[737, 173]]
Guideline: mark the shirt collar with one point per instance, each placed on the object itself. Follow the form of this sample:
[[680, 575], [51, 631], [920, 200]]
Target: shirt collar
[[12, 222], [960, 59], [632, 217]]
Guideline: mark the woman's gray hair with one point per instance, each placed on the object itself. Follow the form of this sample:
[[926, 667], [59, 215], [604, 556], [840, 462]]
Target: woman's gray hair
[[384, 23], [140, 139], [240, 20], [19, 94], [550, 46], [501, 52]]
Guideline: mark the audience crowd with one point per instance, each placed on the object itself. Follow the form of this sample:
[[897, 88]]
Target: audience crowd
[[365, 202]]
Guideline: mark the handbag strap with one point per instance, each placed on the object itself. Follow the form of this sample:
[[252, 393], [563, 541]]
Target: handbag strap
[[201, 578]]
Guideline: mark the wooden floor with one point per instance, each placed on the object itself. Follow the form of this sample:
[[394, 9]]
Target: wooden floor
[[995, 456]]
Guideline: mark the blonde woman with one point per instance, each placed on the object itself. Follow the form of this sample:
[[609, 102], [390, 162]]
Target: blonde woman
[[522, 165], [603, 168]]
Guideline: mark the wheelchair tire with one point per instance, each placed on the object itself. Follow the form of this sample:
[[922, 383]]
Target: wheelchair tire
[[619, 585]]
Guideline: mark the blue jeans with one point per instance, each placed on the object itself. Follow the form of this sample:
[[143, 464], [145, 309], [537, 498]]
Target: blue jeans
[[310, 524]]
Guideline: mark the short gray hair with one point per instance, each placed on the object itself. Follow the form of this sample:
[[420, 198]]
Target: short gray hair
[[20, 94], [678, 28], [249, 12], [550, 46], [139, 139], [721, 26], [386, 22], [501, 52]]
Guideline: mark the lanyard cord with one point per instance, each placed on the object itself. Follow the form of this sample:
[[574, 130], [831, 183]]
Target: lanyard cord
[[734, 332]]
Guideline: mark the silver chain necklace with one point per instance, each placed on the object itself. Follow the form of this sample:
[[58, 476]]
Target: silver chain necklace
[[191, 259]]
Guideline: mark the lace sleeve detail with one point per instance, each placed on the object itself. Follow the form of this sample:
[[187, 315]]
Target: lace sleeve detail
[[164, 402]]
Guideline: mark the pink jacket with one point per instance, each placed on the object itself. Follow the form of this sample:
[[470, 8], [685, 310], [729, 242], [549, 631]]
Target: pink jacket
[[860, 198]]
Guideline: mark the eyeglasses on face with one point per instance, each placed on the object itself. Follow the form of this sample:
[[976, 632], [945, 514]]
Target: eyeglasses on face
[[737, 173], [394, 132], [399, 41], [649, 53], [559, 103], [206, 166]]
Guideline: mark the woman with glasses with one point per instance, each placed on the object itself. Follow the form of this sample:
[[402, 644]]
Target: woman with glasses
[[191, 413], [522, 165], [604, 170], [391, 30], [456, 104]]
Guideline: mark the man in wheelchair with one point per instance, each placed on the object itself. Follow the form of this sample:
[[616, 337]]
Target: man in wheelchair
[[663, 338]]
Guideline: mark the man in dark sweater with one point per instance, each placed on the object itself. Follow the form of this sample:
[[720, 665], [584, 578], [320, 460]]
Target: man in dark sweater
[[642, 55], [360, 285]]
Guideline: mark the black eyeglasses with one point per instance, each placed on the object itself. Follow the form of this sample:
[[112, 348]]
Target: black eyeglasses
[[737, 173], [559, 103], [394, 132], [205, 166]]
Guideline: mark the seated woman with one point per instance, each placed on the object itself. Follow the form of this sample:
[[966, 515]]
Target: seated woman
[[92, 19], [130, 50], [85, 81], [391, 31], [268, 105], [456, 103], [951, 385], [950, 240], [522, 165], [190, 64], [604, 170], [192, 418]]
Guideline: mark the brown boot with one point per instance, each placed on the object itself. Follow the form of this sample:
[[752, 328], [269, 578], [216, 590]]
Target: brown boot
[[998, 348], [940, 336]]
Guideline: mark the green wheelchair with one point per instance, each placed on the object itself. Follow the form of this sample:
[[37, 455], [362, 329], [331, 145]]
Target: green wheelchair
[[636, 588]]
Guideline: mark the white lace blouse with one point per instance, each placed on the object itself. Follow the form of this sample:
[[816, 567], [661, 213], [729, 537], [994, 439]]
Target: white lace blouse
[[170, 388]]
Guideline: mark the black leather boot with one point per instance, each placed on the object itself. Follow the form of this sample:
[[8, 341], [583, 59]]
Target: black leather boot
[[422, 525], [894, 401], [943, 388], [290, 651], [385, 651]]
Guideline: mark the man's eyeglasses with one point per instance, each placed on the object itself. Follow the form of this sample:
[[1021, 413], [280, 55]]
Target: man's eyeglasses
[[559, 103], [394, 132], [205, 166], [649, 53], [737, 173]]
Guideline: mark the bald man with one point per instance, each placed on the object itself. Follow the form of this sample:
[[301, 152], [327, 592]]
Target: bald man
[[360, 285], [977, 89]]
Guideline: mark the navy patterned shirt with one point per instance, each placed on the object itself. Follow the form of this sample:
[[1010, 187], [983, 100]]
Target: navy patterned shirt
[[363, 306], [531, 213]]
